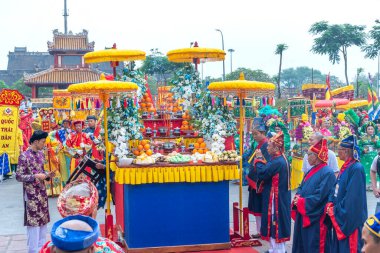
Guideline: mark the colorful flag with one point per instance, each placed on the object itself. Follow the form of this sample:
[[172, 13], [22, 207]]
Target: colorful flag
[[373, 101], [328, 89]]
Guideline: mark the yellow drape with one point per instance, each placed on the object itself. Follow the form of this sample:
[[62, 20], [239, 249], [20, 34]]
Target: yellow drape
[[189, 174]]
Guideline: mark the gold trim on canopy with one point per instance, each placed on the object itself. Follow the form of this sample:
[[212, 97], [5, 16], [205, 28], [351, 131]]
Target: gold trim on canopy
[[308, 86], [189, 54], [353, 104], [102, 86], [342, 89], [243, 86], [114, 55]]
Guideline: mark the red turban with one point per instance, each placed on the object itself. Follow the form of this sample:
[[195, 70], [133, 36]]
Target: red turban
[[278, 141], [321, 150]]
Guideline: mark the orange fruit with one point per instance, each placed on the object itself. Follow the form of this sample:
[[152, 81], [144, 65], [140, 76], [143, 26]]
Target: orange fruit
[[148, 105], [203, 145], [149, 152], [136, 152], [201, 151], [146, 146], [143, 142], [140, 147], [147, 99], [196, 145], [142, 105], [195, 151], [185, 122], [200, 140]]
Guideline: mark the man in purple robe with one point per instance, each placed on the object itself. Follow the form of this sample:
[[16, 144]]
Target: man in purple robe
[[30, 171]]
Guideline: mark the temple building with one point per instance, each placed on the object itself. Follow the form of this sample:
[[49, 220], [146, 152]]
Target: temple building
[[68, 63]]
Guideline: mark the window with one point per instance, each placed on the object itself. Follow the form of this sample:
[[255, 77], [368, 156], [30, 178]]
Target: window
[[71, 60]]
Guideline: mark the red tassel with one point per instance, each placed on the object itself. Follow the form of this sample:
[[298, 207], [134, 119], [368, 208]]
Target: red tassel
[[125, 103]]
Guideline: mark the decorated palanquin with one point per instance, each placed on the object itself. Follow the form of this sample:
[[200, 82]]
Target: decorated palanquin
[[311, 89], [344, 92]]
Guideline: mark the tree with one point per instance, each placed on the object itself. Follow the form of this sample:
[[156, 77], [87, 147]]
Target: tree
[[3, 85], [336, 39], [157, 65], [358, 72], [22, 88], [372, 50], [279, 50], [249, 74]]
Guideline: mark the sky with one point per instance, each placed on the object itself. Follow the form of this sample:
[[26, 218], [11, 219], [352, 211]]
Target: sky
[[251, 28]]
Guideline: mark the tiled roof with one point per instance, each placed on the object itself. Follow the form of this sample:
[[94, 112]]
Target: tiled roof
[[62, 76], [70, 42]]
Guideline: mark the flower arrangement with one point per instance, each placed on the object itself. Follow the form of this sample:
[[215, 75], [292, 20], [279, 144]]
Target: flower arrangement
[[185, 83], [123, 124], [135, 76]]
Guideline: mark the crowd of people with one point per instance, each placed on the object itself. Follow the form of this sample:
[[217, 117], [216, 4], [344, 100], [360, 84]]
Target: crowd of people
[[329, 208]]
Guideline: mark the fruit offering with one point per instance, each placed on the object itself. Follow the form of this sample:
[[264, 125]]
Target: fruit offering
[[200, 147], [229, 156], [210, 157], [179, 158], [143, 148], [144, 159]]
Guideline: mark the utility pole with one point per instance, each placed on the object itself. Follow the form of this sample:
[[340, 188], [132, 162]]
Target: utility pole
[[224, 69], [231, 51], [65, 15]]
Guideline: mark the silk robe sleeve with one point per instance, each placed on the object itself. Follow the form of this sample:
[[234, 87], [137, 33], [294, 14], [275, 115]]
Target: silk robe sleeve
[[312, 206], [346, 214], [268, 170], [22, 172]]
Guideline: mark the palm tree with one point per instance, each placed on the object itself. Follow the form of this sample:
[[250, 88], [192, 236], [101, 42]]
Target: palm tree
[[358, 72], [279, 50]]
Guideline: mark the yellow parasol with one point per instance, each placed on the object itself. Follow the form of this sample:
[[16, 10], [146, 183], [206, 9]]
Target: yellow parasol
[[103, 89], [242, 88], [114, 55], [195, 54]]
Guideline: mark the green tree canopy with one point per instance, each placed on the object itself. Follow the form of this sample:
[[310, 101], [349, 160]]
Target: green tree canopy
[[3, 85], [249, 74], [336, 39], [372, 50], [22, 88], [295, 77], [157, 65]]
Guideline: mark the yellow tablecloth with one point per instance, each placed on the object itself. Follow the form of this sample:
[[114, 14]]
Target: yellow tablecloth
[[189, 174], [297, 173]]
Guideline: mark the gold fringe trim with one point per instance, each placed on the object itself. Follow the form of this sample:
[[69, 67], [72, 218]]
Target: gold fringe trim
[[162, 175]]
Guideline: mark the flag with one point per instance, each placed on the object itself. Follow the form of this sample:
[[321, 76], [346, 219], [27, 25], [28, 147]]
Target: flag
[[373, 101], [328, 89]]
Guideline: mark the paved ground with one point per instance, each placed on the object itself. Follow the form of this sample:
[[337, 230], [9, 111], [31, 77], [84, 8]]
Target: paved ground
[[12, 232]]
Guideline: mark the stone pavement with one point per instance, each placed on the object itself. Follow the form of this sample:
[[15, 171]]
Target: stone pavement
[[13, 233]]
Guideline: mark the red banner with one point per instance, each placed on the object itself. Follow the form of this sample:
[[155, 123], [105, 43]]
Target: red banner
[[10, 97]]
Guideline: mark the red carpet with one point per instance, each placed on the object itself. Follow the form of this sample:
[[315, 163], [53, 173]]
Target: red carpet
[[233, 250]]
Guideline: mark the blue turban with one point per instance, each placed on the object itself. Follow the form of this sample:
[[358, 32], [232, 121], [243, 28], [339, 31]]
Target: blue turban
[[373, 224], [74, 240], [351, 143]]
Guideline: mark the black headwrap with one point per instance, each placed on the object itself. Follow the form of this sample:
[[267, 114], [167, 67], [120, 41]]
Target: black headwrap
[[91, 117], [38, 135]]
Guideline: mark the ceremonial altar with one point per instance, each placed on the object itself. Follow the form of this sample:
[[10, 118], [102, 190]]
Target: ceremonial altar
[[174, 208]]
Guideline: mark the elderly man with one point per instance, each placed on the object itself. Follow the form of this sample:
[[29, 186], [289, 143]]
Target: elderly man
[[371, 234], [254, 197], [274, 175], [347, 205], [31, 173], [332, 161], [310, 232]]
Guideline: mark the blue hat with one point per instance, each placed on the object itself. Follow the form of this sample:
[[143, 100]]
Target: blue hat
[[73, 240], [351, 143], [373, 224], [258, 124]]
